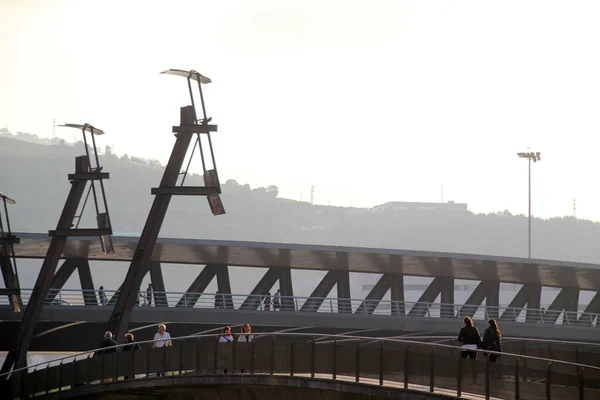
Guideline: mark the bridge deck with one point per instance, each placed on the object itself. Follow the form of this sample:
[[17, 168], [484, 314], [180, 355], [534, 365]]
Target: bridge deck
[[377, 368], [314, 257]]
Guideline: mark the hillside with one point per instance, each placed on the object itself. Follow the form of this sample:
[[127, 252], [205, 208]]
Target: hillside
[[36, 176]]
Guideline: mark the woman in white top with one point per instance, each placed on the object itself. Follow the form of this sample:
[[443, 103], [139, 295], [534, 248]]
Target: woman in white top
[[226, 335], [162, 339], [246, 335]]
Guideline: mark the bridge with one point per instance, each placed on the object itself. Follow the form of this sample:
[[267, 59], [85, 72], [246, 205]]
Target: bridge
[[300, 364], [313, 357], [71, 313]]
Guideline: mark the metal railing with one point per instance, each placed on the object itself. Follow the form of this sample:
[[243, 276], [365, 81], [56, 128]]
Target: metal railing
[[78, 297], [396, 363]]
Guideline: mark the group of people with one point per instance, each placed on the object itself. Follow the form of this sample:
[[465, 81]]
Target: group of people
[[471, 340]]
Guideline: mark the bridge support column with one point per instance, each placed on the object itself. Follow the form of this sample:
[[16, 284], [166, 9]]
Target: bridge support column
[[87, 283], [224, 285], [287, 290], [397, 295], [343, 292]]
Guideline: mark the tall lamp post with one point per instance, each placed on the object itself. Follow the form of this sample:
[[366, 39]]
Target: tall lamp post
[[535, 157]]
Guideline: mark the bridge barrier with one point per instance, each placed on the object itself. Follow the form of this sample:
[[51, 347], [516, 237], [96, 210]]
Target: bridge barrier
[[586, 353], [410, 364], [77, 297]]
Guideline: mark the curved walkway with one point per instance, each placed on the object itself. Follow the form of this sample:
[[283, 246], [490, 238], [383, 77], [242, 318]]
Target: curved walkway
[[404, 368]]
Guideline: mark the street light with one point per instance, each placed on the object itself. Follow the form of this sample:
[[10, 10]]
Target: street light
[[535, 157]]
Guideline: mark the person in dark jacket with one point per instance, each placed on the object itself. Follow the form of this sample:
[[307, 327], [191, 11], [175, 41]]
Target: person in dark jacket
[[492, 340], [106, 347], [130, 345], [470, 339]]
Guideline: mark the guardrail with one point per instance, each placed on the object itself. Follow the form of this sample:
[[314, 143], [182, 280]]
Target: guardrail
[[77, 297], [385, 362]]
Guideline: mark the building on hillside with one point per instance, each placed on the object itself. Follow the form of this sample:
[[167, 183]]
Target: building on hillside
[[418, 206]]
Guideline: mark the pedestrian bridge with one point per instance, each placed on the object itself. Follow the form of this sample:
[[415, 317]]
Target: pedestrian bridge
[[321, 366], [66, 316]]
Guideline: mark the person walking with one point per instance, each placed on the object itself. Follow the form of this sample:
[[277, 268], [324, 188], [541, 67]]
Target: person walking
[[102, 295], [161, 339], [149, 296], [267, 302], [226, 337], [470, 339], [492, 340], [277, 300], [130, 345], [246, 337], [107, 347]]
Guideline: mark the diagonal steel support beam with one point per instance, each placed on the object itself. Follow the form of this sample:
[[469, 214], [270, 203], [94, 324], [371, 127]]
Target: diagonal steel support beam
[[263, 286], [529, 295], [592, 308], [61, 277], [314, 302], [374, 297], [397, 295], [441, 285], [198, 286], [566, 300], [486, 290], [158, 284], [140, 263], [18, 354]]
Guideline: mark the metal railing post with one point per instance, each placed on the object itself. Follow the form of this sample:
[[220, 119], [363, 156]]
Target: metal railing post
[[292, 357], [253, 355], [334, 372], [406, 358], [381, 353], [459, 376], [133, 363], [198, 351], [233, 355], [216, 360], [47, 378], [296, 308], [60, 376], [180, 360], [272, 355], [148, 362], [330, 304], [312, 359], [517, 382], [431, 370], [549, 382], [185, 300], [487, 378], [581, 385], [357, 377], [164, 371]]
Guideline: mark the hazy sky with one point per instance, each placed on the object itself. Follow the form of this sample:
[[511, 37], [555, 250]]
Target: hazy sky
[[369, 101]]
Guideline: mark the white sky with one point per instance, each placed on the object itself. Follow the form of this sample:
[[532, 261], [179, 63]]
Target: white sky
[[369, 101]]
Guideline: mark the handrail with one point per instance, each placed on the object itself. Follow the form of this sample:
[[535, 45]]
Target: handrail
[[311, 335], [441, 308], [509, 338]]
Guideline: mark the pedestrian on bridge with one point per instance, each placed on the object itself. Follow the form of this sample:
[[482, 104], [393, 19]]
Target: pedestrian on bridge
[[470, 339], [102, 295], [108, 346], [492, 340], [130, 345], [149, 294], [162, 338]]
